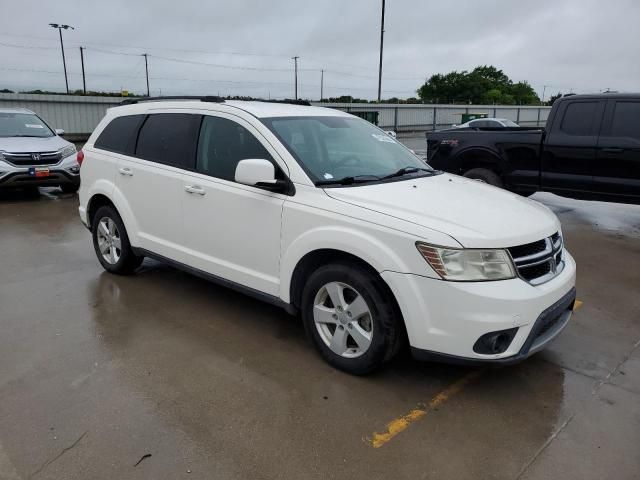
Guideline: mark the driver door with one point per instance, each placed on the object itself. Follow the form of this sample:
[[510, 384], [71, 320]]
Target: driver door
[[232, 230]]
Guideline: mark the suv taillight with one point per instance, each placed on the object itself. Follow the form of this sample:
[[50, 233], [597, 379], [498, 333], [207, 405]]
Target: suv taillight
[[80, 157]]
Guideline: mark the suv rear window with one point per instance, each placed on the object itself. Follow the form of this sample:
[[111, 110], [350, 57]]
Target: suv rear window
[[578, 118], [120, 135], [169, 138]]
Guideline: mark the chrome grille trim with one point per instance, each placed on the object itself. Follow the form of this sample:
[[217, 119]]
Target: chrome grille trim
[[553, 248], [26, 159]]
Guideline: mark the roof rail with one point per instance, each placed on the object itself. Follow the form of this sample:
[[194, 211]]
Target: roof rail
[[291, 102], [206, 98]]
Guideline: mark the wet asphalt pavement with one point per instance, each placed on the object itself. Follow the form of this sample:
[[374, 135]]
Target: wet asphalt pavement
[[97, 372]]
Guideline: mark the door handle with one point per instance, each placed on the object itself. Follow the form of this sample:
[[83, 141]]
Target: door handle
[[194, 189], [126, 172], [612, 150]]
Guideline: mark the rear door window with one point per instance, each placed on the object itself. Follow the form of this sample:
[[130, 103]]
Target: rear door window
[[170, 139], [119, 136], [579, 118]]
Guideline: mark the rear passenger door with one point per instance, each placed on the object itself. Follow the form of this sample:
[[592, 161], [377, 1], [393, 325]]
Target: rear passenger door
[[569, 151], [152, 180], [617, 169], [232, 230]]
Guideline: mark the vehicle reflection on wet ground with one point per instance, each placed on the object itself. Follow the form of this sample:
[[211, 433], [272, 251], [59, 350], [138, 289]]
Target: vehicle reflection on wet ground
[[97, 371]]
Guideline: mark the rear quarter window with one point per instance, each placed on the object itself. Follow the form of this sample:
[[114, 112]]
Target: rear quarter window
[[119, 135]]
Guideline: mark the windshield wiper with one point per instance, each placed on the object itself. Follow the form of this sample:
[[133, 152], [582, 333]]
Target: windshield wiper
[[406, 170], [29, 136], [349, 180]]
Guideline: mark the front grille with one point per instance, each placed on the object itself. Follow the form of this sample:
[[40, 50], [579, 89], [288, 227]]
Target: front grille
[[539, 261], [548, 325], [31, 159]]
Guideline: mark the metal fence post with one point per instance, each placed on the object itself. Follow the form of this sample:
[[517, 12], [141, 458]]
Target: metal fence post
[[435, 112], [518, 116], [395, 119], [494, 112], [538, 120]]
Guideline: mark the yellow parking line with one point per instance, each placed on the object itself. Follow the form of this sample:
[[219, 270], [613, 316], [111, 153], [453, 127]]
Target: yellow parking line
[[577, 305], [400, 424]]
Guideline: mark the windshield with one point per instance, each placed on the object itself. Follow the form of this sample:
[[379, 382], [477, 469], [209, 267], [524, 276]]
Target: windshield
[[14, 124], [331, 149], [509, 123]]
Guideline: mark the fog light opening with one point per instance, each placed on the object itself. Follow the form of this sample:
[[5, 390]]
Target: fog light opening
[[495, 342]]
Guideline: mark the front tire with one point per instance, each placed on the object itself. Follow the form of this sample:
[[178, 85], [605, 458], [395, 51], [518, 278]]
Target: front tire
[[484, 175], [111, 242], [350, 318]]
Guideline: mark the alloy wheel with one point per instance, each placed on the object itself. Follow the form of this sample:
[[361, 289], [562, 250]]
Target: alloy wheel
[[343, 319]]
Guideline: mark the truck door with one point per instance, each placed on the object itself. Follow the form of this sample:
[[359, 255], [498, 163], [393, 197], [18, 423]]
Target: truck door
[[617, 168], [569, 150]]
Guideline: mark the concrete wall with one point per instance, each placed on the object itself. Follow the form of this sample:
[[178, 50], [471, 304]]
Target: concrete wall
[[433, 117], [79, 115]]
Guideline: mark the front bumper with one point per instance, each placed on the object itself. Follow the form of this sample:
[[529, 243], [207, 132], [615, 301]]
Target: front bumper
[[65, 172], [445, 319]]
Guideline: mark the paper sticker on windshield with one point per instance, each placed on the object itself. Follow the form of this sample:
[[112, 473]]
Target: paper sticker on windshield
[[32, 125], [328, 176], [383, 137]]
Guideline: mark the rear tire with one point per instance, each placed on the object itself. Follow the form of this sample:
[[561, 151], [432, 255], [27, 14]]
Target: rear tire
[[484, 175], [358, 332], [111, 242]]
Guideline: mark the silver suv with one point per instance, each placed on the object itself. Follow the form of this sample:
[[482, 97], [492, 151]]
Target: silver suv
[[32, 154]]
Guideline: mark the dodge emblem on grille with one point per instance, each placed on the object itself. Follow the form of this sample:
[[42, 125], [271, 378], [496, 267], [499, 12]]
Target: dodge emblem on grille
[[35, 157]]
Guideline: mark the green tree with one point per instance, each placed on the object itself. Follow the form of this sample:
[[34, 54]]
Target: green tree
[[484, 84]]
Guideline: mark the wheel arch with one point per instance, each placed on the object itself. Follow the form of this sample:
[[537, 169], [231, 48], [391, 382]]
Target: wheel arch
[[115, 199], [479, 158]]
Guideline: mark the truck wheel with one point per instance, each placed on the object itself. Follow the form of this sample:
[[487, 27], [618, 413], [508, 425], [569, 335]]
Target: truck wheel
[[349, 317], [484, 175], [111, 242]]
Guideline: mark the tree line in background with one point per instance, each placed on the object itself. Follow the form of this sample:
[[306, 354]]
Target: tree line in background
[[484, 85]]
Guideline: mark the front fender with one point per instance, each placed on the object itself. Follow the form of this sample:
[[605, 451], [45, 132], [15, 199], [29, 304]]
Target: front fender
[[380, 255]]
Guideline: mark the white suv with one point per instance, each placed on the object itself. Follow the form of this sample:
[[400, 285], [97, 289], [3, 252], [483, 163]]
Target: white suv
[[324, 214]]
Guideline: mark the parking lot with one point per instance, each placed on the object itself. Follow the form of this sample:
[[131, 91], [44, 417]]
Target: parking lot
[[164, 375]]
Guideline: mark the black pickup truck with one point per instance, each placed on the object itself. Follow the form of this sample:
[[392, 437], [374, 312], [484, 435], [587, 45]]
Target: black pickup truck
[[590, 149]]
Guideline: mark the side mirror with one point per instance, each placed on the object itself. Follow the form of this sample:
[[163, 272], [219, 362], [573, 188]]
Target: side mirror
[[391, 133], [59, 131], [259, 173]]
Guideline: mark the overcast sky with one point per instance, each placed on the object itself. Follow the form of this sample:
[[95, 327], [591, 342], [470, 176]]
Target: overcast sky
[[245, 46]]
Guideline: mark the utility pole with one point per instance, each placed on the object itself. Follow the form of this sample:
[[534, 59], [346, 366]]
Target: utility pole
[[64, 63], [295, 61], [84, 82], [544, 89], [321, 84], [146, 69], [381, 47]]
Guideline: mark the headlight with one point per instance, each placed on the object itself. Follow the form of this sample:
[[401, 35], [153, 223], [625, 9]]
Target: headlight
[[67, 151], [467, 265]]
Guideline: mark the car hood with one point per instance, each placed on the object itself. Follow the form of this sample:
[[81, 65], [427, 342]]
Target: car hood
[[475, 214], [32, 144]]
